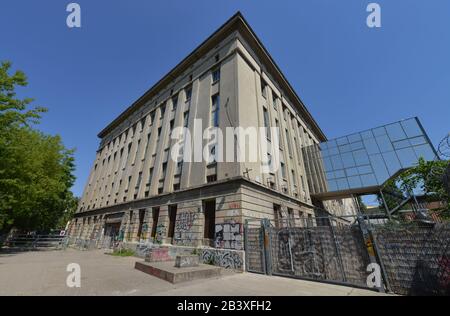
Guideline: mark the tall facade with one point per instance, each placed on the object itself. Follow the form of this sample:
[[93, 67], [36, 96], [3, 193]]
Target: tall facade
[[137, 191]]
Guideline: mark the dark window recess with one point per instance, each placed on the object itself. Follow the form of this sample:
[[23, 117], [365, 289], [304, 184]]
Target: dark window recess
[[277, 215], [155, 215], [172, 219], [211, 178], [160, 190], [141, 222], [210, 219], [176, 187]]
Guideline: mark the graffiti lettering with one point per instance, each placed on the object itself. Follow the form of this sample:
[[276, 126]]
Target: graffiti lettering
[[228, 236], [225, 259]]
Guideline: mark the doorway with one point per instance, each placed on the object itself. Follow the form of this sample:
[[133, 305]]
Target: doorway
[[209, 207], [172, 219], [155, 216]]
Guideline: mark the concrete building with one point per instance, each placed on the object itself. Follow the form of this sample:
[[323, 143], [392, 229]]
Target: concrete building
[[137, 192]]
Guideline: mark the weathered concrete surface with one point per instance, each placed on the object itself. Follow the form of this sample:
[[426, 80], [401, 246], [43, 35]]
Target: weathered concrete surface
[[158, 255], [185, 261], [44, 273], [168, 272]]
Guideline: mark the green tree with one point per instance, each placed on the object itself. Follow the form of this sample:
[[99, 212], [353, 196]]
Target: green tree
[[35, 169], [71, 207], [427, 176]]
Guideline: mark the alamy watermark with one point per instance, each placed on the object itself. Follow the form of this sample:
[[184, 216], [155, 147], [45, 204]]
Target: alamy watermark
[[374, 278], [236, 144], [374, 18], [74, 277], [74, 17]]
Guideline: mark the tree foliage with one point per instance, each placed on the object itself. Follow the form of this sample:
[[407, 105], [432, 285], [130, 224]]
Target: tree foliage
[[35, 168], [428, 177]]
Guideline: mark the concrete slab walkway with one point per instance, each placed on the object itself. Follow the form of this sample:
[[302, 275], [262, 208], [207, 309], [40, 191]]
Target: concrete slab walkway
[[44, 273]]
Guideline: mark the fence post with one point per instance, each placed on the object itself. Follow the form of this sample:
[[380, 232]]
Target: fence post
[[267, 256], [380, 260], [341, 264], [246, 244], [368, 241]]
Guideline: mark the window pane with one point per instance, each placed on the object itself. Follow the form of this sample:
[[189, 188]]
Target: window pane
[[339, 174], [332, 185], [347, 160], [332, 143], [407, 157], [411, 128], [354, 138], [361, 157], [392, 162], [344, 148], [371, 146], [357, 145], [395, 132], [401, 144], [328, 165], [351, 171], [368, 180], [379, 131], [425, 151], [418, 140], [342, 141], [379, 167], [342, 184], [366, 134], [365, 169], [333, 151], [336, 162], [354, 182], [384, 143]]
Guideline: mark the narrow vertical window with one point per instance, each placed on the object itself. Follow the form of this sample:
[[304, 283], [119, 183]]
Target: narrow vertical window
[[138, 183], [216, 75], [175, 103], [288, 142], [263, 88], [186, 119], [283, 170], [266, 123], [215, 105]]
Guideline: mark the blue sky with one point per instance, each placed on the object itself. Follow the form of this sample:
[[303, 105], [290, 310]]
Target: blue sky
[[350, 77]]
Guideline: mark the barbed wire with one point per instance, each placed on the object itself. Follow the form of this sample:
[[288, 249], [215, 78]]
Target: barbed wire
[[444, 146]]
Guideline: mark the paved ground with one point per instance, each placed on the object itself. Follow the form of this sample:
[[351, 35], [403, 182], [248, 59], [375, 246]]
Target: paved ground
[[44, 273]]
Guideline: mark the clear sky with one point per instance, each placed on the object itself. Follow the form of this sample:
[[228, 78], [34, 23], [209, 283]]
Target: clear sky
[[350, 77]]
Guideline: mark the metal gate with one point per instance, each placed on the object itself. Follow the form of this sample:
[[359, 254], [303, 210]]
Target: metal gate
[[412, 257], [321, 249], [255, 259]]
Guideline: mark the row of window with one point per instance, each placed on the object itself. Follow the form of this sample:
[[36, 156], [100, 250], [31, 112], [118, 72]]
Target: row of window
[[290, 140], [214, 121]]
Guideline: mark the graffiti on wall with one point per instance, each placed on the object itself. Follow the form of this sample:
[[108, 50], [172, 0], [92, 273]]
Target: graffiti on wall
[[183, 228], [185, 221], [229, 236], [143, 248], [160, 233], [225, 259]]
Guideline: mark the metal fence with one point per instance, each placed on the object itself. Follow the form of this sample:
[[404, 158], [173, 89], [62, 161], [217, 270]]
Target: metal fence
[[416, 257], [319, 249], [413, 256], [36, 241], [254, 246], [105, 242]]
